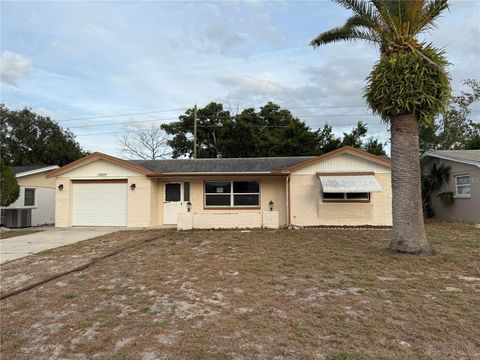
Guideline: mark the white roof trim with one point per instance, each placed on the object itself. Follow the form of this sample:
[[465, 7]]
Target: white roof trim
[[37, 171], [350, 184], [451, 158]]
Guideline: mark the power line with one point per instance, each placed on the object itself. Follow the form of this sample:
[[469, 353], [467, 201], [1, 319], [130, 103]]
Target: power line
[[312, 127], [119, 115], [186, 108], [216, 117]]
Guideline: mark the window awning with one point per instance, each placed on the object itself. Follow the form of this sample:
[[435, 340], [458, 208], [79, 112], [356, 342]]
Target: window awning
[[350, 184]]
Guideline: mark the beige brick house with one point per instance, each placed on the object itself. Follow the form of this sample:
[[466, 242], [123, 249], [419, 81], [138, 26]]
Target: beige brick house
[[344, 187]]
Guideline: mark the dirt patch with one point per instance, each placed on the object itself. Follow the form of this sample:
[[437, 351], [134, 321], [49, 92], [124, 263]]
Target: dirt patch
[[308, 293]]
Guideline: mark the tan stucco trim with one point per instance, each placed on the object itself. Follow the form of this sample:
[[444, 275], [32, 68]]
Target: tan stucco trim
[[96, 156], [342, 150], [351, 173]]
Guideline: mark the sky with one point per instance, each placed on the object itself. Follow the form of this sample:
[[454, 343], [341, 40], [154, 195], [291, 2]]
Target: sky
[[103, 68]]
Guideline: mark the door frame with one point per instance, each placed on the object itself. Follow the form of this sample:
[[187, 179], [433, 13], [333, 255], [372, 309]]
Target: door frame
[[164, 201]]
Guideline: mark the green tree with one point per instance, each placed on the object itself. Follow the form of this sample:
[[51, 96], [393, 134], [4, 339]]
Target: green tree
[[408, 85], [454, 130], [210, 129], [9, 189], [27, 138], [271, 131]]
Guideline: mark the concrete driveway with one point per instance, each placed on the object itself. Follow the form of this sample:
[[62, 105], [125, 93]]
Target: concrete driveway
[[24, 245]]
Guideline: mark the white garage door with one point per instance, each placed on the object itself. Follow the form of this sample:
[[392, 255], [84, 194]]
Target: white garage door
[[99, 203]]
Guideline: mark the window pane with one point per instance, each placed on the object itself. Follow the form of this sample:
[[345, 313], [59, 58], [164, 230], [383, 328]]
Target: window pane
[[217, 187], [333, 196], [463, 180], [245, 200], [186, 191], [29, 197], [246, 187], [172, 192], [463, 190], [358, 196], [217, 200]]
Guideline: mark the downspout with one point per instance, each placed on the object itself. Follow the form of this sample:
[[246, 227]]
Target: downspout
[[287, 186]]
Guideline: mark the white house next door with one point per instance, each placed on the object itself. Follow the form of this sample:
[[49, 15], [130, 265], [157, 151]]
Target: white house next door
[[172, 202]]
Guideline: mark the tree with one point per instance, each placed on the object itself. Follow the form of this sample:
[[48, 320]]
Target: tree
[[146, 144], [9, 189], [409, 84], [454, 130], [27, 138], [271, 131], [432, 182], [210, 122]]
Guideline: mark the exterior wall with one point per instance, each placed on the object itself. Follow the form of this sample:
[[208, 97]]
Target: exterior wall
[[140, 201], [43, 212], [219, 220], [307, 208], [272, 188], [462, 209], [36, 180]]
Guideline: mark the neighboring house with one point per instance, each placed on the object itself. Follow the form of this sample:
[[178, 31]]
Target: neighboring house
[[464, 184], [36, 204], [344, 187]]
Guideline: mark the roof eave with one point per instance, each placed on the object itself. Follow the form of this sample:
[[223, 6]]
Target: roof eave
[[219, 173], [36, 171], [449, 158]]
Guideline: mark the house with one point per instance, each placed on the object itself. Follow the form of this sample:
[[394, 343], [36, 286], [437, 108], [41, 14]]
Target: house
[[344, 187], [464, 184], [36, 204]]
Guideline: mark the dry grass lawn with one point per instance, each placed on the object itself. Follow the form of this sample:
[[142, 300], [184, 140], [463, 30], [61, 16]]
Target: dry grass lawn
[[285, 294], [5, 234]]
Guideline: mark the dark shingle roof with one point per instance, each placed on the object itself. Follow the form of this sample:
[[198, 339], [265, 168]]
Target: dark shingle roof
[[220, 165], [25, 168]]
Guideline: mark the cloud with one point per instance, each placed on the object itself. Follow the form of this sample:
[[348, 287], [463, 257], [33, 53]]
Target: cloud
[[13, 67]]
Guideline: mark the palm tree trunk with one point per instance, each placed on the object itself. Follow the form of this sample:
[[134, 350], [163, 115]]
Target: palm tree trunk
[[408, 232]]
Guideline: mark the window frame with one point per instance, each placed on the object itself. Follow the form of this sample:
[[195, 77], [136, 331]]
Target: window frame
[[232, 195], [346, 199], [34, 197], [469, 185]]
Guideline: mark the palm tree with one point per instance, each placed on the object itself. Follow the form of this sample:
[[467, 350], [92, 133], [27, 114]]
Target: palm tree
[[408, 85]]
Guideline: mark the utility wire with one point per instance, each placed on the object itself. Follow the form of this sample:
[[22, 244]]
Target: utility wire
[[186, 108], [312, 127], [216, 117]]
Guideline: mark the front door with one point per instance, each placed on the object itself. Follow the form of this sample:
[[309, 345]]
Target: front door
[[172, 202]]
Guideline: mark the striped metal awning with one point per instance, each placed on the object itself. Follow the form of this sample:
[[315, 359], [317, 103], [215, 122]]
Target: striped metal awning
[[350, 184]]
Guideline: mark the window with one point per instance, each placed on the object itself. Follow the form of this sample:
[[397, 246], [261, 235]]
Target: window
[[346, 196], [172, 192], [29, 199], [232, 194], [186, 191], [462, 186]]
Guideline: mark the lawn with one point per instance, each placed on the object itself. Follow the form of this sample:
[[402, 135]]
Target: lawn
[[5, 234], [284, 294]]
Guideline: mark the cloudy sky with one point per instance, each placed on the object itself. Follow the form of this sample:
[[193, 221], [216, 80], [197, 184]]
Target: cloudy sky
[[78, 61]]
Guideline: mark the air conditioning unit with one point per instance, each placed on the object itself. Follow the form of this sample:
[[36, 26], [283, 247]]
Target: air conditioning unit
[[16, 218]]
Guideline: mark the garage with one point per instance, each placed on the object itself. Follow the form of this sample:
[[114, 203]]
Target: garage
[[99, 203]]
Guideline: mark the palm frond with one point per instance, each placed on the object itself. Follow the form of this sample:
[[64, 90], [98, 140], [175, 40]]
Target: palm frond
[[358, 20], [359, 7], [343, 34], [432, 11]]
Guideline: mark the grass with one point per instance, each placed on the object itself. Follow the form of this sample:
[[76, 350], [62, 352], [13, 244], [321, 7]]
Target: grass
[[285, 294], [13, 233]]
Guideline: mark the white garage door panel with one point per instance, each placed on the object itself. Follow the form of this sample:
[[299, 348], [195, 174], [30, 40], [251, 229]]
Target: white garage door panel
[[97, 204]]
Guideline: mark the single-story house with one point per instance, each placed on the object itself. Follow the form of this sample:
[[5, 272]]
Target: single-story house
[[344, 187], [464, 184], [36, 204]]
